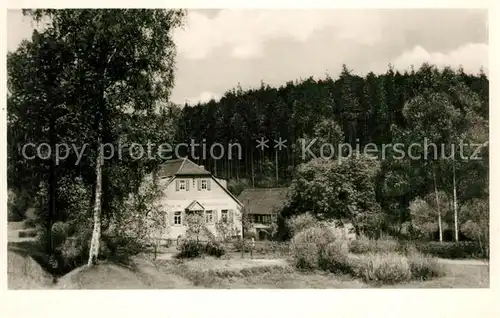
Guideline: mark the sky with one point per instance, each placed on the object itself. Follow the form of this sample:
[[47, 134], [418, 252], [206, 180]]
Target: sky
[[219, 49]]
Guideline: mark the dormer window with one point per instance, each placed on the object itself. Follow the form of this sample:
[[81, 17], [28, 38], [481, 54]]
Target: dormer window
[[182, 185], [204, 185]]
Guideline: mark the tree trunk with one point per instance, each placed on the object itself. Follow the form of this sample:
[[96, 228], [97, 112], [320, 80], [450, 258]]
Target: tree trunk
[[96, 233], [455, 208], [277, 171], [438, 210], [52, 188], [246, 159], [236, 163], [253, 173]]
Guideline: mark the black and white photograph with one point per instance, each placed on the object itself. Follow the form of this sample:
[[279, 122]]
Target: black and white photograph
[[247, 149]]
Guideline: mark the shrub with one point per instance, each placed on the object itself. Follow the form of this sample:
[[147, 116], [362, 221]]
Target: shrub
[[300, 222], [335, 258], [17, 204], [453, 250], [190, 249], [240, 244], [28, 233], [424, 267], [120, 248], [29, 223], [387, 268], [13, 216], [215, 249], [365, 245], [59, 233], [360, 246], [308, 245], [272, 248]]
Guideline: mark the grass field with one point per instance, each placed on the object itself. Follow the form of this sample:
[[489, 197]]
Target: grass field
[[263, 271], [145, 273]]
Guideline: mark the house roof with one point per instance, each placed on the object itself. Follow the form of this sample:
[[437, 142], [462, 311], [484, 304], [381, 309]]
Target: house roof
[[182, 166], [185, 167], [263, 201]]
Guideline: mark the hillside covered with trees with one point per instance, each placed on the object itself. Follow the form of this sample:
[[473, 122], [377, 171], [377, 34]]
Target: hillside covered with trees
[[442, 106]]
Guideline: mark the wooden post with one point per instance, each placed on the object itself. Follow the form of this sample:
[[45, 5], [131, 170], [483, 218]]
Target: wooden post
[[252, 247], [242, 247]]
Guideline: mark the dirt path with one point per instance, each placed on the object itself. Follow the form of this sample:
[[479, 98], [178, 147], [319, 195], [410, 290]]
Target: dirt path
[[464, 261]]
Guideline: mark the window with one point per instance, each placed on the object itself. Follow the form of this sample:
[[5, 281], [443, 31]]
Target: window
[[224, 216], [182, 184], [177, 218], [203, 184], [209, 216], [266, 219]]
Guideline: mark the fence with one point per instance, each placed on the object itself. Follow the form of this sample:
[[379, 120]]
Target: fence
[[254, 248]]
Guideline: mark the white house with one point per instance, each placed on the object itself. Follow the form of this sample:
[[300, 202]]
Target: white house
[[189, 188]]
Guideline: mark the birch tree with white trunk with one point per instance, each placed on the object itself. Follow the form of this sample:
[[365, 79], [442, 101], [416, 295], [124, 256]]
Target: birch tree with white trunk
[[119, 69]]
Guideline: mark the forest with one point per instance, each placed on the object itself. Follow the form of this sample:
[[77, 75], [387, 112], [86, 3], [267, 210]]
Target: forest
[[379, 109]]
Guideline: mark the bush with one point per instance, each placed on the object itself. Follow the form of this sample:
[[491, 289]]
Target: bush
[[453, 250], [335, 258], [240, 244], [17, 204], [12, 216], [391, 268], [215, 249], [386, 268], [120, 248], [29, 223], [272, 248], [308, 245], [190, 249], [365, 245], [424, 267], [59, 233], [28, 233], [300, 222]]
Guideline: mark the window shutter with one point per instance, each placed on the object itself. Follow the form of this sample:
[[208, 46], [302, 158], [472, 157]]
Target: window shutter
[[176, 185], [230, 216], [215, 214], [183, 216], [170, 217], [208, 184], [187, 185], [199, 184]]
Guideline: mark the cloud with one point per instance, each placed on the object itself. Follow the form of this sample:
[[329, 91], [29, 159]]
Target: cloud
[[244, 32], [20, 27], [202, 98], [471, 57]]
